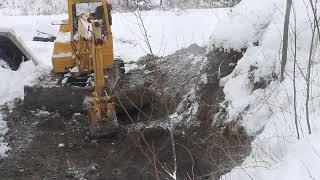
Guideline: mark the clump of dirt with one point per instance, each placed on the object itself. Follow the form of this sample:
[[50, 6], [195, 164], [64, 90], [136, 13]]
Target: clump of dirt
[[220, 64], [175, 104]]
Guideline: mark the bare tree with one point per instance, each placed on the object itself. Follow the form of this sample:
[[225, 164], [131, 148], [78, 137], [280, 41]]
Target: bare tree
[[294, 74], [309, 75], [314, 10], [143, 30], [285, 39]]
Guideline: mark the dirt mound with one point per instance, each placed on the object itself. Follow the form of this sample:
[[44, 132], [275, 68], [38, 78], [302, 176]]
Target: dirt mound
[[174, 109]]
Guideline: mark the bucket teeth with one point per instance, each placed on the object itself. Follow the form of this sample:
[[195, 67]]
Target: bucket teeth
[[102, 116]]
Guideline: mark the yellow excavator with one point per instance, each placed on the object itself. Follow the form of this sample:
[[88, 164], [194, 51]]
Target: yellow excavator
[[83, 59]]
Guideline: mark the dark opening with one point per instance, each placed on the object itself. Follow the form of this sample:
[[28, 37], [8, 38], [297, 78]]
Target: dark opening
[[10, 53]]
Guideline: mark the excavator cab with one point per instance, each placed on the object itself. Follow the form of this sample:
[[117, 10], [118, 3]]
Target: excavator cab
[[94, 10]]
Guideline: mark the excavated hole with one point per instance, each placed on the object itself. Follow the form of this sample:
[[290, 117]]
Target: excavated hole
[[141, 104]]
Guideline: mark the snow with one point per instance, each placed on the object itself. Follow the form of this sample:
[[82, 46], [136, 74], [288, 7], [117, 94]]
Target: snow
[[268, 113], [204, 78], [13, 81], [3, 130], [60, 145], [63, 37], [83, 28], [131, 66], [167, 31], [4, 64], [41, 113], [244, 25], [62, 55]]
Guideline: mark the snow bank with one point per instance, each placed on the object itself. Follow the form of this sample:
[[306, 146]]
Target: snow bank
[[268, 113], [244, 25], [15, 39], [12, 82]]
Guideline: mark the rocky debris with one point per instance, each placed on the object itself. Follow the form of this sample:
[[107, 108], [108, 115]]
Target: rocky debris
[[175, 96]]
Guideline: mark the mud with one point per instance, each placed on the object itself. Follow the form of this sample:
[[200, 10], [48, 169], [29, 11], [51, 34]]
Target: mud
[[180, 90]]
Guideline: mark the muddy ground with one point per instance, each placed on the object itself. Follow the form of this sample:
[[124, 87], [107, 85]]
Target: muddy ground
[[180, 91]]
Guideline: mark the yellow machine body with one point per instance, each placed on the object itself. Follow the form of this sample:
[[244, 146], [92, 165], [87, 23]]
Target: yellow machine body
[[85, 46]]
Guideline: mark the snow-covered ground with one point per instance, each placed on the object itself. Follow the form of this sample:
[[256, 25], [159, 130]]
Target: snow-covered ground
[[269, 113], [168, 32]]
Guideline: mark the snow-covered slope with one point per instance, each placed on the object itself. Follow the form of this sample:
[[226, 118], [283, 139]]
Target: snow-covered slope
[[168, 32], [268, 111]]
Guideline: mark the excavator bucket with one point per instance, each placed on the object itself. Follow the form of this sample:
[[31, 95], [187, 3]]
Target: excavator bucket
[[12, 50]]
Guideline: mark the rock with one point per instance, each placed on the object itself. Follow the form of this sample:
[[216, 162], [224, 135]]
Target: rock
[[52, 123]]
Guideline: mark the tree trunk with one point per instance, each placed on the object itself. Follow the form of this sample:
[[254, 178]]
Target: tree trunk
[[285, 39]]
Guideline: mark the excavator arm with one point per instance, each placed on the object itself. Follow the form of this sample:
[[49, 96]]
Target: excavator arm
[[95, 32], [101, 110]]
